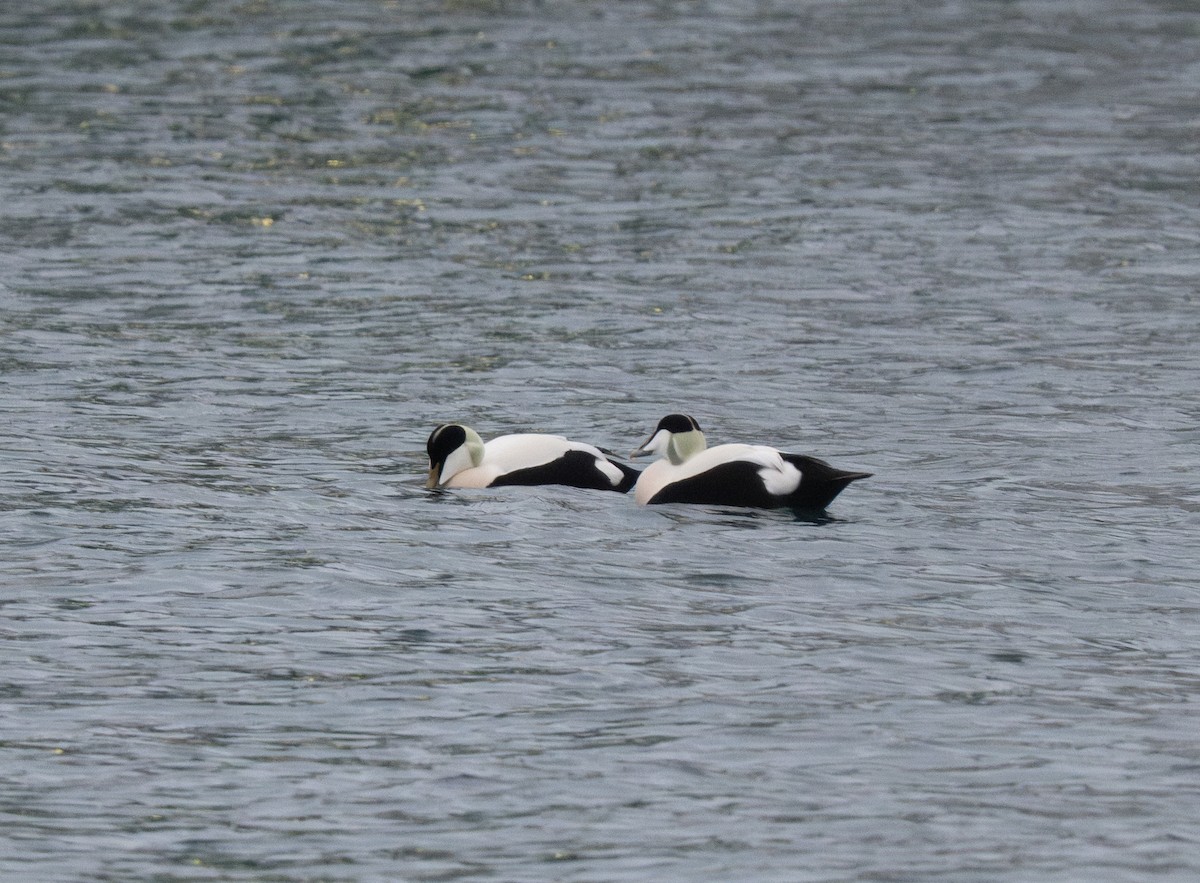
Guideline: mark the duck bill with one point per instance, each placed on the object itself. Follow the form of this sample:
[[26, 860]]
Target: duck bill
[[649, 446], [435, 473]]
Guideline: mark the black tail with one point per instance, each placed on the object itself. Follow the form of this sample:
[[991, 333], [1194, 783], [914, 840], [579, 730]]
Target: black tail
[[820, 483]]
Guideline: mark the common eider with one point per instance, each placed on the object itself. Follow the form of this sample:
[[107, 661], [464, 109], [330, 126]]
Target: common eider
[[458, 457], [732, 475]]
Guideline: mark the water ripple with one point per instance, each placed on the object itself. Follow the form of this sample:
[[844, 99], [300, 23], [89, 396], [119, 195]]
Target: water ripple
[[255, 252]]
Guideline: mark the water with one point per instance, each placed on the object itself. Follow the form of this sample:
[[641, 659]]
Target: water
[[253, 252]]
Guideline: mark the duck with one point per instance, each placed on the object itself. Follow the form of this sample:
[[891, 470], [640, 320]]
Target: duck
[[459, 458], [732, 475]]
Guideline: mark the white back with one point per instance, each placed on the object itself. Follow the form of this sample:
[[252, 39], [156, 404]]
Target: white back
[[508, 453]]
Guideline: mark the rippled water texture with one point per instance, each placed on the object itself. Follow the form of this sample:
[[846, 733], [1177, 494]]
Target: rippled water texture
[[252, 252]]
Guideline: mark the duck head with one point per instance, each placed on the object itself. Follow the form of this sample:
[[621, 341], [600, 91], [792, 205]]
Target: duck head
[[452, 448], [677, 437]]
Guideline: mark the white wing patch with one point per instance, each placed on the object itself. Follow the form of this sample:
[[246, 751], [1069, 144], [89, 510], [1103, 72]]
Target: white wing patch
[[781, 477], [613, 474]]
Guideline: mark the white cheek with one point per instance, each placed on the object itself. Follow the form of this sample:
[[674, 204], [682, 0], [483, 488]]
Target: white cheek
[[658, 443], [457, 462]]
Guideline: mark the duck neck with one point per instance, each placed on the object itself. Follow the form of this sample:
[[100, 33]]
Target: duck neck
[[474, 446], [684, 445]]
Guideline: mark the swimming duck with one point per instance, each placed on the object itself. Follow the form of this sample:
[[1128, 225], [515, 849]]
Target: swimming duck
[[732, 475], [458, 457]]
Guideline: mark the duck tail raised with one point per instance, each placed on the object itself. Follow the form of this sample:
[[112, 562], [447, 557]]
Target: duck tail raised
[[820, 483]]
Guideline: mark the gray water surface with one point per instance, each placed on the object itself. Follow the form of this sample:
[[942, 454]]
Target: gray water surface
[[252, 252]]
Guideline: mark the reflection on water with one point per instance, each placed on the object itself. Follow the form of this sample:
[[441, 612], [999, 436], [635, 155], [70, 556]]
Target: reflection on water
[[254, 252]]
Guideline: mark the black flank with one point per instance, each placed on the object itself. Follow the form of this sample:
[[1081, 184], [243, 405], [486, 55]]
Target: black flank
[[573, 469], [730, 484], [740, 484]]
